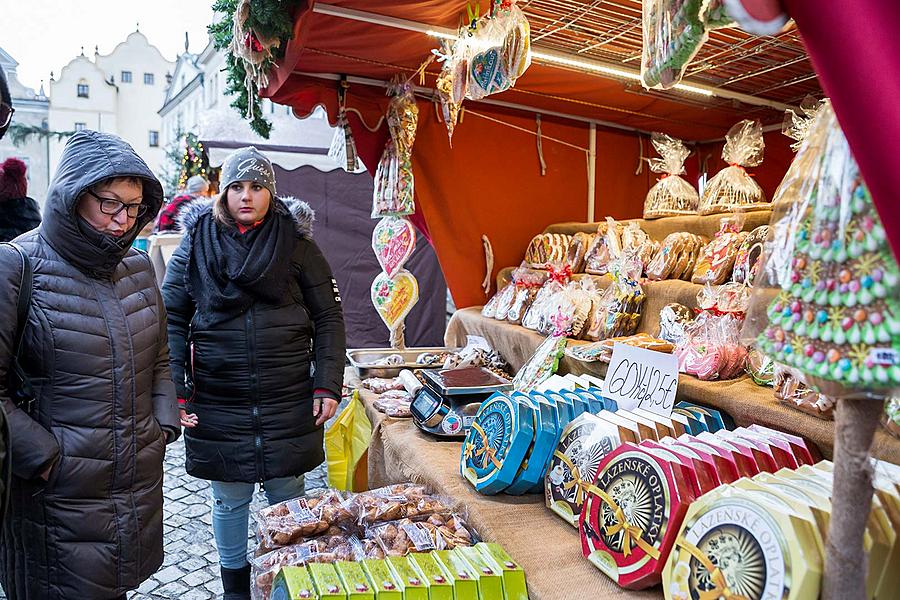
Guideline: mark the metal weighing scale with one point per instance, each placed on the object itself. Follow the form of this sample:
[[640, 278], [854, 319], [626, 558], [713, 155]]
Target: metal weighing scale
[[446, 405]]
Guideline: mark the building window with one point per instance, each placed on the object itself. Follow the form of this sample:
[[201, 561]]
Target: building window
[[154, 139], [148, 78], [126, 76], [80, 126], [83, 90]]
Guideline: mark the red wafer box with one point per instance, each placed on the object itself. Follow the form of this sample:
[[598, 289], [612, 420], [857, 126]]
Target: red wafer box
[[633, 512], [704, 472], [725, 470], [806, 452], [779, 448], [747, 465]]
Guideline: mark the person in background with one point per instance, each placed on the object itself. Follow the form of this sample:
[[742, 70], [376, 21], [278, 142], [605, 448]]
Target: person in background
[[86, 510], [18, 212], [256, 340], [196, 187]]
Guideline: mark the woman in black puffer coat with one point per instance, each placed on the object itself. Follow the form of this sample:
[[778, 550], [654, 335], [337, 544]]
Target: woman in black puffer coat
[[256, 337]]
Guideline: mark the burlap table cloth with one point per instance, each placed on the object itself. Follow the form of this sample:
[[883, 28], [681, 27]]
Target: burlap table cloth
[[745, 401], [548, 549]]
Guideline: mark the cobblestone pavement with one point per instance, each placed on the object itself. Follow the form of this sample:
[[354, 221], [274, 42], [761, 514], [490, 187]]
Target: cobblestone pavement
[[190, 569]]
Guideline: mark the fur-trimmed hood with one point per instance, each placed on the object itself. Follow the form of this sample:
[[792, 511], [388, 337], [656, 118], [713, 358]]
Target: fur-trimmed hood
[[299, 211]]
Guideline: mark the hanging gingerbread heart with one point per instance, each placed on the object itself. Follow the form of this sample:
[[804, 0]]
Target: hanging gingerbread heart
[[394, 297], [393, 241]]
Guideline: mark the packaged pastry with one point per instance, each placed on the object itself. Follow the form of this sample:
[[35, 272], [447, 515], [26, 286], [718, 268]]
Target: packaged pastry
[[577, 251], [287, 522], [527, 282], [547, 249], [541, 308], [746, 261], [489, 310], [675, 257], [438, 532], [791, 391], [325, 549], [671, 195], [673, 32], [380, 385], [394, 403], [733, 188], [607, 245], [716, 260], [568, 312], [398, 501], [530, 476], [432, 572], [712, 348], [618, 310], [541, 365], [674, 319], [891, 419], [602, 351], [505, 300]]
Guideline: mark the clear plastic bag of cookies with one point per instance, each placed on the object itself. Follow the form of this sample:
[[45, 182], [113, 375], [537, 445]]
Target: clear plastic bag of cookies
[[607, 245], [733, 188], [325, 549], [527, 283], [438, 532], [380, 385], [398, 501], [287, 522], [716, 261], [790, 390], [578, 248], [542, 305], [746, 261], [671, 195], [617, 312], [504, 302], [568, 310], [674, 320], [395, 403], [712, 348]]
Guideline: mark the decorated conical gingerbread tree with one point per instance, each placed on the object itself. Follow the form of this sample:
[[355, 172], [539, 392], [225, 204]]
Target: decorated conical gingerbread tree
[[836, 318]]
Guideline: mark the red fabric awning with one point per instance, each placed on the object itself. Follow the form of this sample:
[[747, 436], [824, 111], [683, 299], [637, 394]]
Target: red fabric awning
[[490, 182]]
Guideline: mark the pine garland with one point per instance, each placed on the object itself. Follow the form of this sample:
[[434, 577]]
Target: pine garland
[[20, 134], [269, 19]]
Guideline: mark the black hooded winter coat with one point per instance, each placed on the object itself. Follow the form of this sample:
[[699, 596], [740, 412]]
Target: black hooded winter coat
[[95, 350], [249, 379]]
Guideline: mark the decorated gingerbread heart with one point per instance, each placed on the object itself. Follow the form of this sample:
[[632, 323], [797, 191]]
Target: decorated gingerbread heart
[[393, 241], [394, 297]]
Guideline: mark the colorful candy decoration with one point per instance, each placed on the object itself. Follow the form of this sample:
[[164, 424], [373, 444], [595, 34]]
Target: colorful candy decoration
[[836, 317]]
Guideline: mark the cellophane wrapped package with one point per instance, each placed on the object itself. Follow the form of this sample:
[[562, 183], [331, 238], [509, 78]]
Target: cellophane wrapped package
[[826, 301], [526, 283], [673, 32], [287, 522], [712, 348], [606, 246], [436, 532], [618, 310], [716, 261], [671, 195], [733, 188]]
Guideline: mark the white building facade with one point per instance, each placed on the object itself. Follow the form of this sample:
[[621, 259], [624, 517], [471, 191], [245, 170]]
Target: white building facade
[[118, 93], [32, 110]]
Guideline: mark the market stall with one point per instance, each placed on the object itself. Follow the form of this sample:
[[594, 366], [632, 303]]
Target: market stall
[[536, 135]]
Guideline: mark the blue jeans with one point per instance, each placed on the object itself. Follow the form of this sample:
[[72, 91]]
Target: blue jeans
[[231, 513]]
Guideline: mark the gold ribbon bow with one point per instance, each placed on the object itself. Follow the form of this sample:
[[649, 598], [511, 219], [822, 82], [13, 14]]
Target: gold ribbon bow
[[490, 454], [582, 484], [721, 591], [632, 534]]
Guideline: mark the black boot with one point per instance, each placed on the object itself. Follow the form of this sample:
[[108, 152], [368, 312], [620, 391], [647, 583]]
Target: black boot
[[236, 583]]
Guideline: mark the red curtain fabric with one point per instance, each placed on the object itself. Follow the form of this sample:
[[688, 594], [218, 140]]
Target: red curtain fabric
[[855, 49]]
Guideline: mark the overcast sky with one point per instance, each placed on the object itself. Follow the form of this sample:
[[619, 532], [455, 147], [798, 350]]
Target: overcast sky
[[44, 35]]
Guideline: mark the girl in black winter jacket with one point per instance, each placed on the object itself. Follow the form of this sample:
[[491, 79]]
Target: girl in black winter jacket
[[256, 338]]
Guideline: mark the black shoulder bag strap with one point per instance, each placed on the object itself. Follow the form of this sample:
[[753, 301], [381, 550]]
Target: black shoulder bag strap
[[19, 386]]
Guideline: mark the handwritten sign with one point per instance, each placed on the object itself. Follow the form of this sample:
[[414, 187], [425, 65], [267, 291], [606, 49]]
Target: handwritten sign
[[639, 378]]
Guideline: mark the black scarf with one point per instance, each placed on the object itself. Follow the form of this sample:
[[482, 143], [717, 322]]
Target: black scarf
[[228, 271]]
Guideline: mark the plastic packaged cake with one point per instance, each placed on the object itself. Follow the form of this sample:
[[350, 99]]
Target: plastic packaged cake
[[732, 188], [671, 195]]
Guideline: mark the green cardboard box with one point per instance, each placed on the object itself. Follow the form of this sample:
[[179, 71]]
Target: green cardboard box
[[460, 573], [293, 583], [411, 583], [439, 587], [382, 580], [514, 586], [328, 583], [355, 581], [490, 581]]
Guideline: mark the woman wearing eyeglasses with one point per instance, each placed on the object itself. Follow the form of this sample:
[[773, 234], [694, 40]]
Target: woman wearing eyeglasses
[[252, 306], [85, 516]]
